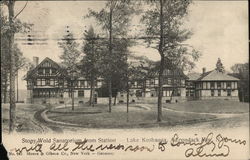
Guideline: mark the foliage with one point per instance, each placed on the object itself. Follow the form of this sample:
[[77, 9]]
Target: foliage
[[165, 32], [114, 20], [71, 54], [241, 71], [91, 60], [20, 61], [219, 66]]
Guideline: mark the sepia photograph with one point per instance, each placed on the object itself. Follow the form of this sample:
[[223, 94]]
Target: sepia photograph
[[125, 79]]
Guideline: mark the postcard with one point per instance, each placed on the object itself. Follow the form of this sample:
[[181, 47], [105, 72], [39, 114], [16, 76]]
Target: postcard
[[123, 79]]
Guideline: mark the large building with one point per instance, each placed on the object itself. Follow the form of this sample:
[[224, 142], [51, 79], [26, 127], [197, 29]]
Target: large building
[[214, 84], [146, 90], [49, 82]]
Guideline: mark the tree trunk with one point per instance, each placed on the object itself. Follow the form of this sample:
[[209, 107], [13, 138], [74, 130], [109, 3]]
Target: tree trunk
[[115, 99], [91, 91], [172, 93], [12, 68], [17, 87], [127, 100], [110, 51], [93, 97], [72, 95], [159, 117], [5, 88], [110, 94]]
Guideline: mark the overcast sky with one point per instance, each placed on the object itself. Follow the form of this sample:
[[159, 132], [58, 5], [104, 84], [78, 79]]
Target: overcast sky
[[220, 29]]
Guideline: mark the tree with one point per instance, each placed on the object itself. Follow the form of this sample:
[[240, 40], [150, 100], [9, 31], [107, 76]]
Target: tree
[[219, 66], [163, 22], [10, 26], [114, 20], [241, 71], [71, 54], [70, 59], [91, 60], [10, 34], [22, 63]]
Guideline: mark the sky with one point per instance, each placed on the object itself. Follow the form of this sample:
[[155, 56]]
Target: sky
[[220, 30]]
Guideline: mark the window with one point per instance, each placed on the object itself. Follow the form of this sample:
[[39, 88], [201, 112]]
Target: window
[[60, 82], [219, 92], [47, 82], [80, 93], [204, 85], [212, 93], [65, 84], [182, 82], [169, 81], [52, 82], [47, 71], [218, 84], [140, 84], [229, 92], [228, 84], [81, 84], [43, 82], [152, 82], [40, 71], [212, 84], [138, 93], [191, 93], [177, 92], [53, 71], [156, 82], [39, 83]]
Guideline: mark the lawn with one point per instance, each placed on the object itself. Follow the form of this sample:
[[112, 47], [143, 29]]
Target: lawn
[[210, 106], [138, 117]]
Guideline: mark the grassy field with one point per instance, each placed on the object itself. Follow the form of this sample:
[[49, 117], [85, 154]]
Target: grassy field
[[138, 117], [210, 106]]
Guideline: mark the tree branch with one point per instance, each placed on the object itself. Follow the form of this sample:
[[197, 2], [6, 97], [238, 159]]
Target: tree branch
[[21, 9]]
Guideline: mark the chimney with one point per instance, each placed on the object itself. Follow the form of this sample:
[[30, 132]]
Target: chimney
[[203, 70], [35, 61]]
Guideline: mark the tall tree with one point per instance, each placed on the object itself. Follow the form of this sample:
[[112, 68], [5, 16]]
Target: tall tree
[[219, 66], [114, 19], [71, 54], [70, 59], [163, 22], [7, 30], [10, 32], [91, 60]]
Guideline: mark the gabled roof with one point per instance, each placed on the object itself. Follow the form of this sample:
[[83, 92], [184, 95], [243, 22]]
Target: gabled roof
[[215, 75], [34, 70], [193, 76]]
